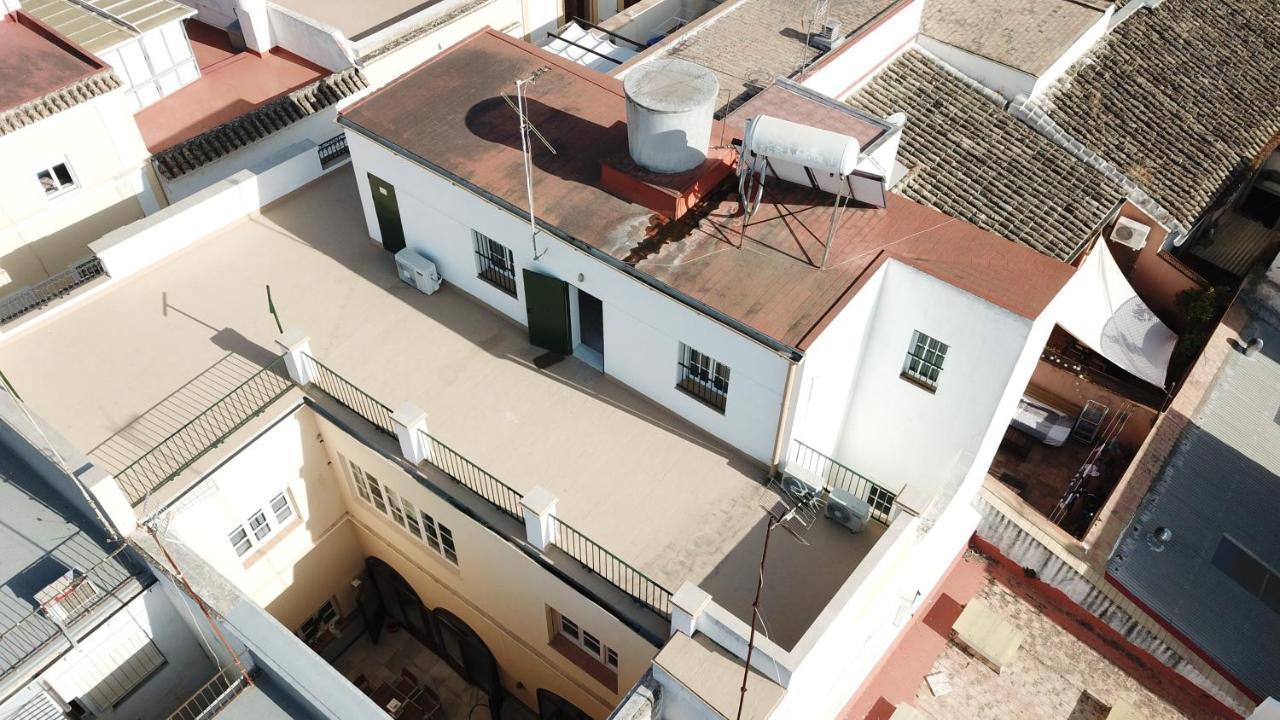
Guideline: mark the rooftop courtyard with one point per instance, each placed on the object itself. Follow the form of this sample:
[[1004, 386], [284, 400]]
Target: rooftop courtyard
[[358, 20], [120, 372]]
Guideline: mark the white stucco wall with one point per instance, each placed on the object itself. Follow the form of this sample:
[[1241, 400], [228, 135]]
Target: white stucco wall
[[643, 328], [858, 59], [321, 44], [100, 144]]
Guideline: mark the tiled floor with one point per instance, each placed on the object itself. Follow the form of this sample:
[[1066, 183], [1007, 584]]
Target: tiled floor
[[396, 651]]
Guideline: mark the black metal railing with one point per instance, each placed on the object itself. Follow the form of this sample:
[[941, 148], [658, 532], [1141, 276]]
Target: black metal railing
[[838, 476], [349, 395], [204, 432], [703, 385], [496, 264], [474, 477], [333, 150], [212, 696], [42, 293], [617, 571], [33, 632]]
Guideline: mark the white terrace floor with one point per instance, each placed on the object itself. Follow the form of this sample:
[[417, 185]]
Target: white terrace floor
[[120, 371]]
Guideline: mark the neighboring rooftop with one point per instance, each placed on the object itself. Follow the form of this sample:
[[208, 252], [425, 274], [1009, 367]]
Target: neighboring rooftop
[[969, 158], [1027, 35], [1182, 98], [232, 83], [749, 43], [1221, 480], [41, 73], [768, 283], [98, 25], [357, 20]]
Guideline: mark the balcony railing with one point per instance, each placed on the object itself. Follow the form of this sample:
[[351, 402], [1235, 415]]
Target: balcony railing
[[838, 476], [350, 396], [36, 296], [204, 432], [617, 571], [474, 477], [87, 589], [333, 150], [586, 551], [216, 694]]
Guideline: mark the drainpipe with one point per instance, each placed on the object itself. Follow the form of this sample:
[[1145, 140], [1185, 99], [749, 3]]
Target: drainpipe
[[778, 447]]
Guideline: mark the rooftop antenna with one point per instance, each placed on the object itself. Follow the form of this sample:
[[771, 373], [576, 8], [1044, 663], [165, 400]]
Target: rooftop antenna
[[814, 16], [520, 105], [776, 519]]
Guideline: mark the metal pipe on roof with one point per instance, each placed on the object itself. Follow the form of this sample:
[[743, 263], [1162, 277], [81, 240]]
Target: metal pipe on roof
[[563, 39]]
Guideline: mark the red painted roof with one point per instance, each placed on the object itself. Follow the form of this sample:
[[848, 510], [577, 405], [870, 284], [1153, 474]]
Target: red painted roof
[[36, 61], [448, 114]]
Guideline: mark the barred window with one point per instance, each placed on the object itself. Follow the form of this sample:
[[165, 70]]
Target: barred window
[[924, 360], [495, 264], [703, 377]]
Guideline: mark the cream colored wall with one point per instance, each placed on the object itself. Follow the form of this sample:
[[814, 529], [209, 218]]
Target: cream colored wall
[[306, 562], [496, 589], [104, 150]]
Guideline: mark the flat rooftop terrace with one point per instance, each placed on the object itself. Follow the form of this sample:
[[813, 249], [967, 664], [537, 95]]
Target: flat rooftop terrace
[[35, 61], [357, 20], [121, 371]]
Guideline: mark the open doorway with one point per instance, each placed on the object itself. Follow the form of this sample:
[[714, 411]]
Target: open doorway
[[590, 346]]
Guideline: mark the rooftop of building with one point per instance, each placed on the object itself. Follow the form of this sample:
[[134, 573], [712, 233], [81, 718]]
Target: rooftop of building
[[154, 352], [232, 84], [1232, 439], [42, 72], [969, 158], [358, 20], [1026, 35], [1068, 663], [749, 43], [99, 25], [1181, 98], [767, 279]]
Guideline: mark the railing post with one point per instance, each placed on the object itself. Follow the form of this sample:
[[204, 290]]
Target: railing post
[[111, 498], [687, 605], [539, 507], [410, 423], [296, 347]]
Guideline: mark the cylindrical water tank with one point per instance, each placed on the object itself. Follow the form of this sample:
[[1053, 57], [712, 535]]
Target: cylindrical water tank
[[783, 141], [670, 103]]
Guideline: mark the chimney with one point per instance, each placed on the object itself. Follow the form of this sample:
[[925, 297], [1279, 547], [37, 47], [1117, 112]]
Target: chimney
[[670, 103]]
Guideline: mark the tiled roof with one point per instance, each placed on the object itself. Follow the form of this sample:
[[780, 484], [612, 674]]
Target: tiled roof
[[257, 124], [55, 102], [1180, 98], [970, 159]]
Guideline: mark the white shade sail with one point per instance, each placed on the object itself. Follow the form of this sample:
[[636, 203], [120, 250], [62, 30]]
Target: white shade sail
[[1104, 312], [576, 48]]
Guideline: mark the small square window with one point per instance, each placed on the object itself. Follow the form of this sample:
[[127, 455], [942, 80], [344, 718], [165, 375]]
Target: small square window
[[446, 542], [703, 377], [258, 525], [393, 502], [611, 659], [281, 508], [430, 532], [240, 541], [923, 363], [411, 521], [375, 492], [569, 628], [56, 179], [495, 263], [357, 480], [591, 643]]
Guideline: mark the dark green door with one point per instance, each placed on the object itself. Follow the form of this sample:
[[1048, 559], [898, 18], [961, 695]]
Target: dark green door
[[547, 301], [388, 212]]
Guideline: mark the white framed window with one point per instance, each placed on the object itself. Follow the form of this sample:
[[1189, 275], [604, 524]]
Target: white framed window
[[262, 525], [424, 528], [494, 263], [56, 179], [584, 640], [703, 377], [923, 363]]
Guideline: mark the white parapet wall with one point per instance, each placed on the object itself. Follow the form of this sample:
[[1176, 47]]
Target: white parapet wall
[[854, 62], [321, 44]]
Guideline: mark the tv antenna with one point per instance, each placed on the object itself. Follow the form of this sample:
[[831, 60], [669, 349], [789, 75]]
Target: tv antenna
[[521, 106], [813, 17]]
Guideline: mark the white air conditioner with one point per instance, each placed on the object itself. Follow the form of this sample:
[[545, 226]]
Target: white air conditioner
[[801, 485], [848, 509], [1130, 233], [417, 271]]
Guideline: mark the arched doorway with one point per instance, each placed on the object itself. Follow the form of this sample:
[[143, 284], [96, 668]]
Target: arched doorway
[[553, 707], [387, 595]]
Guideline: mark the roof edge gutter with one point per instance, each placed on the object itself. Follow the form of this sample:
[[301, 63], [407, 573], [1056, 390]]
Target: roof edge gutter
[[792, 354]]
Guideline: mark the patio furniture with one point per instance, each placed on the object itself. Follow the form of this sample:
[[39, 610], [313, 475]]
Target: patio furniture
[[407, 683], [1042, 421], [419, 703]]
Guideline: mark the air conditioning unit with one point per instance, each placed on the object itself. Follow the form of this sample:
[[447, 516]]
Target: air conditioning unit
[[848, 509], [801, 485], [417, 271], [828, 37], [1130, 233]]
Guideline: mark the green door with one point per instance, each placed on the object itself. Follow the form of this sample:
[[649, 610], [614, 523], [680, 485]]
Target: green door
[[388, 212], [547, 301]]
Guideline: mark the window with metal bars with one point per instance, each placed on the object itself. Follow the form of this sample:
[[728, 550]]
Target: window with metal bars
[[495, 263], [923, 363], [703, 377]]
